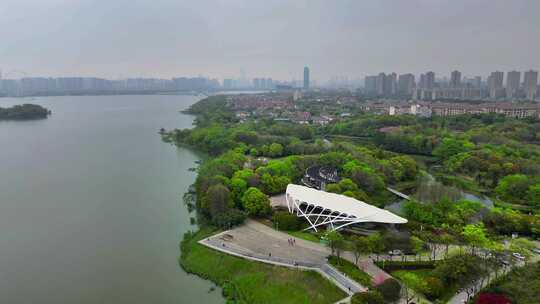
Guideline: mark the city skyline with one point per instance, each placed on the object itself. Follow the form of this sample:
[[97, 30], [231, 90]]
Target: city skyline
[[211, 38]]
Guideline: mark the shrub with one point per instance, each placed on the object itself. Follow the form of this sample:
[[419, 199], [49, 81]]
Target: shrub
[[368, 297], [492, 298], [435, 288], [286, 220], [390, 289], [229, 218], [405, 265]]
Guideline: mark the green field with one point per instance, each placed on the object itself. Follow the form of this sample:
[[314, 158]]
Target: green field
[[351, 270], [246, 281]]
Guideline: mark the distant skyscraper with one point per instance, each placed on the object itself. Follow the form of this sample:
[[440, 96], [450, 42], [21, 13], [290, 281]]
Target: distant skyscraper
[[455, 79], [530, 83], [370, 84], [512, 83], [430, 80], [306, 78], [495, 84], [406, 84], [381, 84], [477, 82]]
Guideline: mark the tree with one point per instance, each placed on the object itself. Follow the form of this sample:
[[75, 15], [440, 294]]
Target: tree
[[255, 202], [452, 146], [238, 187], [286, 221], [390, 289], [417, 245], [360, 245], [513, 187], [533, 195], [475, 236], [334, 240], [216, 200], [229, 218], [275, 150], [376, 244]]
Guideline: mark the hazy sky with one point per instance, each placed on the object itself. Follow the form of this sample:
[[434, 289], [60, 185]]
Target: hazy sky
[[165, 38]]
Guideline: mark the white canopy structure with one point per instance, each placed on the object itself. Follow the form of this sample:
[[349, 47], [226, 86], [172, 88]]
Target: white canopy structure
[[323, 208]]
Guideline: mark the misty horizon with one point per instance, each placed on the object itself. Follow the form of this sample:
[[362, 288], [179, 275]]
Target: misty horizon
[[276, 39]]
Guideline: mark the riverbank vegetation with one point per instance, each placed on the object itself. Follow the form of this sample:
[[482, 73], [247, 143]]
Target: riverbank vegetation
[[435, 160], [24, 112], [245, 281]]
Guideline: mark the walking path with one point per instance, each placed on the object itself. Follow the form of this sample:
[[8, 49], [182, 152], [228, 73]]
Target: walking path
[[258, 242]]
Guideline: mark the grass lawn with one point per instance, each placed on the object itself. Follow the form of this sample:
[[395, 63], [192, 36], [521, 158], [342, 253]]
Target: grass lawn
[[351, 270], [246, 281], [304, 235]]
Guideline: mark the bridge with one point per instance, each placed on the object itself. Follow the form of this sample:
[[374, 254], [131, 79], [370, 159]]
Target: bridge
[[402, 195]]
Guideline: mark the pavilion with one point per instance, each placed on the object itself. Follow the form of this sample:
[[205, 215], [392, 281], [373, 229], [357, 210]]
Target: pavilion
[[337, 211]]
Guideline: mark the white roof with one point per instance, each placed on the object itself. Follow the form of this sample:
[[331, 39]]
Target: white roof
[[343, 204]]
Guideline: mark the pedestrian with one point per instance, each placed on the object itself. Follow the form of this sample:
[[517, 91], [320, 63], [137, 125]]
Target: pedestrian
[[294, 241], [269, 254]]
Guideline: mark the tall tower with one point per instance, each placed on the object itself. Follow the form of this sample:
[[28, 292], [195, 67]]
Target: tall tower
[[306, 78], [495, 84], [455, 79], [430, 80], [512, 83], [530, 83]]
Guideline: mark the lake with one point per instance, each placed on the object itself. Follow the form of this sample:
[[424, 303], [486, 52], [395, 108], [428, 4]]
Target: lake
[[91, 204]]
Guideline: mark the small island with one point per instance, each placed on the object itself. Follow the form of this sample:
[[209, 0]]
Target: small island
[[24, 112]]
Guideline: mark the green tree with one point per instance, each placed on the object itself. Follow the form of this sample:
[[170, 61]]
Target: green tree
[[475, 236], [275, 150], [360, 245], [216, 200], [238, 186], [390, 289], [513, 187], [255, 202], [334, 240], [417, 246], [452, 146], [376, 244], [533, 195]]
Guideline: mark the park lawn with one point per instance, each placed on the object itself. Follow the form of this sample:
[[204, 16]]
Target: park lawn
[[351, 270], [308, 236], [247, 281], [423, 274]]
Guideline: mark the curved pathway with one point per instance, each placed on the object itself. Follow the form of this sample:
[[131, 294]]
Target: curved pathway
[[258, 242]]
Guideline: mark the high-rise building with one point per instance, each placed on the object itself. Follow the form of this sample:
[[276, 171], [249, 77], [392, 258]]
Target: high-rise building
[[512, 83], [495, 84], [406, 84], [381, 84], [530, 84], [370, 84], [455, 79], [306, 78], [391, 84], [430, 80], [477, 83]]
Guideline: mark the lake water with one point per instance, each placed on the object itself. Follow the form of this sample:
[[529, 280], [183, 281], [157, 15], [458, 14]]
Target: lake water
[[90, 203]]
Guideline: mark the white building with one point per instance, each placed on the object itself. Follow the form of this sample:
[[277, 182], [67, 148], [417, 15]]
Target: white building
[[336, 211]]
